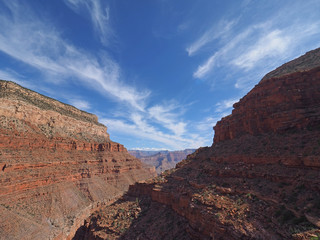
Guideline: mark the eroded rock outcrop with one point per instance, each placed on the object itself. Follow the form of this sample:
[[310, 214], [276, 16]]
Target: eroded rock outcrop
[[275, 105], [260, 179], [57, 164]]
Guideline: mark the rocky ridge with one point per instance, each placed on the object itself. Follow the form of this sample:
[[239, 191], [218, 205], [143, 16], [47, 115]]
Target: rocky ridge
[[161, 160], [260, 178], [303, 63], [57, 164]]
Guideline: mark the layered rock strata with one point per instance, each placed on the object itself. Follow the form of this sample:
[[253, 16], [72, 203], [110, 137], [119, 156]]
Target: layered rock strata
[[260, 178], [57, 164], [275, 105]]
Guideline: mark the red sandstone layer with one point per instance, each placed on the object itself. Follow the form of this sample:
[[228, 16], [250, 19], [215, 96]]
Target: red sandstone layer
[[275, 105], [57, 163]]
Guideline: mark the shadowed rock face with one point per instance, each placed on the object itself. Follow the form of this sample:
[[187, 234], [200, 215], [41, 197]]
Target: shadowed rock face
[[261, 177], [57, 164]]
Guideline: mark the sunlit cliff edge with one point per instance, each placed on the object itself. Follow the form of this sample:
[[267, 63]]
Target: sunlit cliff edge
[[57, 164]]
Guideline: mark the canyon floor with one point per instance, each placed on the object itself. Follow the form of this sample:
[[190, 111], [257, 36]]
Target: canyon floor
[[192, 202]]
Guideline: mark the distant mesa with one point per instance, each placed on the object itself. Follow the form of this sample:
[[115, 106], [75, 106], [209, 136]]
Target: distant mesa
[[161, 160]]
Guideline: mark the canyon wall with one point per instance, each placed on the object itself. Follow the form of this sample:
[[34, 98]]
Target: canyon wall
[[260, 179], [57, 164], [277, 105]]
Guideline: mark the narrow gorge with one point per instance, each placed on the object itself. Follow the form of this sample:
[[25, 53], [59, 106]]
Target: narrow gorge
[[159, 120], [260, 179]]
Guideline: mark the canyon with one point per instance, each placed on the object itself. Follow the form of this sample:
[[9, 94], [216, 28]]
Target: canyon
[[57, 164], [260, 179], [161, 160]]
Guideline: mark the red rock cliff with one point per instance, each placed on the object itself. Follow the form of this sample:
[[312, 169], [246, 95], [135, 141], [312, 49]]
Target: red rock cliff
[[56, 164], [275, 105], [260, 179]]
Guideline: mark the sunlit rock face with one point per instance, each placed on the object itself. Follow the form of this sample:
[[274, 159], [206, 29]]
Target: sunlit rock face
[[57, 163]]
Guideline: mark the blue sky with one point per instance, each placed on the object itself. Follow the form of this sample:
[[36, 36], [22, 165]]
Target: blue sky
[[158, 73]]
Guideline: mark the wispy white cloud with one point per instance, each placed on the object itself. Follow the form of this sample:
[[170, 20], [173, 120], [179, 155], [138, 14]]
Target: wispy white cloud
[[162, 124], [183, 27], [140, 129], [225, 105], [99, 14], [262, 46], [150, 125], [206, 124], [10, 75], [223, 53], [79, 103], [229, 50], [50, 53], [274, 44], [206, 67], [215, 32], [46, 50], [167, 115], [222, 109]]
